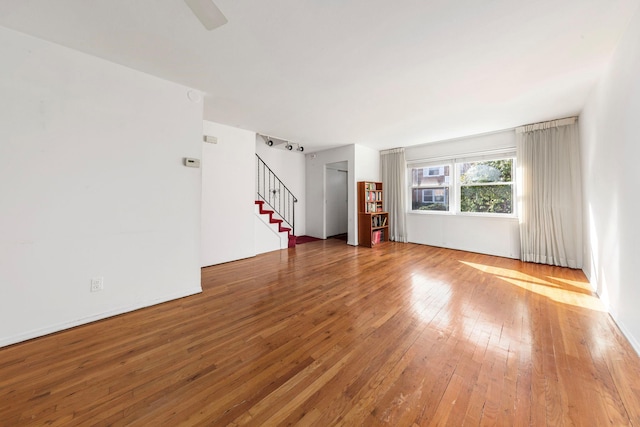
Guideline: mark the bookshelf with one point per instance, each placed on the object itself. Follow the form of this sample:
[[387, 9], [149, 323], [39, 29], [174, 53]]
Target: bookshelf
[[373, 222]]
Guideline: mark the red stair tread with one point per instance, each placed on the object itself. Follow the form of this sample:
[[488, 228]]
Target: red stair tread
[[272, 220]]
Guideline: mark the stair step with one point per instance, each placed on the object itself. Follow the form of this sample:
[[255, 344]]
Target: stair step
[[262, 209], [272, 220]]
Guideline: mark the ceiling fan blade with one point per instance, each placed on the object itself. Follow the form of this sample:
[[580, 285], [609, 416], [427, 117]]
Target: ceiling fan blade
[[207, 12]]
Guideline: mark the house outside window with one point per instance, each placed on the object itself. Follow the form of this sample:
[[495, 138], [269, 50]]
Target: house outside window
[[433, 196], [430, 187]]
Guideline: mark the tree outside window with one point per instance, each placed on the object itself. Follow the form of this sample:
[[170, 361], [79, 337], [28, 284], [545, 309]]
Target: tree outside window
[[486, 186]]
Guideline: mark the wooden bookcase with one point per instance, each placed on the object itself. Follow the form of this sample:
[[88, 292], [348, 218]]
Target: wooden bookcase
[[373, 222]]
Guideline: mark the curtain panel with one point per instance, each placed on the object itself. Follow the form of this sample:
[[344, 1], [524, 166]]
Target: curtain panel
[[550, 193], [393, 167]]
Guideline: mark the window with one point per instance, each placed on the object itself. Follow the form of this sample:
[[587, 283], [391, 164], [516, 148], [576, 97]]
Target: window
[[433, 196], [436, 171], [480, 185], [427, 196], [486, 186], [430, 188]]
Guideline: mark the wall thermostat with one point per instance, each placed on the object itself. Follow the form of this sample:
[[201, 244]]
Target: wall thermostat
[[192, 163]]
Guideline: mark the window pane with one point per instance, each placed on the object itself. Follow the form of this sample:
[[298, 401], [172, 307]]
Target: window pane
[[486, 198], [486, 171], [430, 199], [430, 176]]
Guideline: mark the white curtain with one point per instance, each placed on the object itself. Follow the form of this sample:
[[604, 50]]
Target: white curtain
[[550, 193], [393, 167]]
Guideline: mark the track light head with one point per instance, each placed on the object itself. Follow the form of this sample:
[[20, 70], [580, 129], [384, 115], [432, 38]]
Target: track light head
[[300, 148], [289, 147], [269, 142]]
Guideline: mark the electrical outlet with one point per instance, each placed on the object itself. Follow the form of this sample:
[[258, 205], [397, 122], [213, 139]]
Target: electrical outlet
[[97, 284]]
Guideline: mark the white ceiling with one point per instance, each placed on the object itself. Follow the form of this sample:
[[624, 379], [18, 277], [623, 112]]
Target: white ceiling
[[379, 73]]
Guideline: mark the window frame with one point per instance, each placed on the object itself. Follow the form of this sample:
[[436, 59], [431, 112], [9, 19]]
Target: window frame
[[446, 186], [423, 191], [455, 185], [511, 183]]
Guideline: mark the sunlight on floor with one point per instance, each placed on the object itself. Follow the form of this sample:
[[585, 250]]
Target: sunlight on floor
[[586, 286], [581, 297], [433, 303], [424, 289]]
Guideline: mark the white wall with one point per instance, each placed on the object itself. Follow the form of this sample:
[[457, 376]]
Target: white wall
[[267, 238], [367, 164], [289, 166], [487, 235], [504, 140], [228, 187], [367, 168], [91, 184], [362, 164], [315, 190], [610, 153], [493, 236]]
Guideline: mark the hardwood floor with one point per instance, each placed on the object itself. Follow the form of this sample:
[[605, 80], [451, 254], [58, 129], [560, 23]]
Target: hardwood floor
[[327, 334]]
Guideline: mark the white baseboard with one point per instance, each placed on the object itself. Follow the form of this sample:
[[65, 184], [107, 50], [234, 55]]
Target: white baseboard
[[627, 334], [73, 323]]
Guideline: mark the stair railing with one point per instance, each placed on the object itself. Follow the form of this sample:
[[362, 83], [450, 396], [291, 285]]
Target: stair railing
[[275, 194]]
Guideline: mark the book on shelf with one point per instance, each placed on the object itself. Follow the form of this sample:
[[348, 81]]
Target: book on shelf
[[376, 237], [378, 221]]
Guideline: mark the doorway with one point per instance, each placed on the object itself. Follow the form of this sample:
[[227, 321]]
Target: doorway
[[336, 203]]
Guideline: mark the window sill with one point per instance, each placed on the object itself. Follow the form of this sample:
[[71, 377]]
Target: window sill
[[466, 214], [446, 213]]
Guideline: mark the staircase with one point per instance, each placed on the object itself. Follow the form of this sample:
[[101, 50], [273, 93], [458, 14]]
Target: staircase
[[276, 200], [282, 229]]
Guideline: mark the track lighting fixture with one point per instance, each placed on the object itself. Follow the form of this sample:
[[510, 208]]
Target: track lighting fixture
[[287, 145]]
